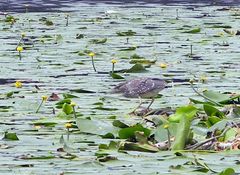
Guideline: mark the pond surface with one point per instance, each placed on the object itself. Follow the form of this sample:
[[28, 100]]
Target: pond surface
[[56, 63]]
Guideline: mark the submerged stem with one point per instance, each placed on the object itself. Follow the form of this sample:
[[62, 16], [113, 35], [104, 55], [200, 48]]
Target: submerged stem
[[113, 68], [39, 106], [93, 65]]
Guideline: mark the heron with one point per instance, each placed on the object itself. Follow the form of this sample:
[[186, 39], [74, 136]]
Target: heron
[[141, 88]]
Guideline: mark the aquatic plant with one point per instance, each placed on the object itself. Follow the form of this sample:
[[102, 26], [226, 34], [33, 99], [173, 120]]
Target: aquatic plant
[[68, 126], [44, 99], [19, 49], [114, 61], [73, 104], [92, 54], [18, 84]]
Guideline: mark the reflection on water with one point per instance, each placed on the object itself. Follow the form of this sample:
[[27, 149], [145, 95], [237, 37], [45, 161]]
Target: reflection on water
[[51, 5]]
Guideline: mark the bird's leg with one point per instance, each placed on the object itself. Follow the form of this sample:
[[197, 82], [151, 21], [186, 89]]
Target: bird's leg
[[150, 103], [138, 106]]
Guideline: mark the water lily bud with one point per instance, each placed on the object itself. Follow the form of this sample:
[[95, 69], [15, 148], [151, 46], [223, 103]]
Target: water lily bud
[[73, 104], [19, 48], [166, 126], [91, 54], [44, 98], [68, 125], [18, 84], [23, 34], [163, 65], [114, 61]]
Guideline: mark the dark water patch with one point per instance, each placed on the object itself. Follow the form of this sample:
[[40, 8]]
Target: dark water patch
[[54, 5]]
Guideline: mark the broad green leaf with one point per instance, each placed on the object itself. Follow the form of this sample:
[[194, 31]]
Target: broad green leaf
[[230, 134], [116, 76], [129, 133], [127, 33], [81, 91], [10, 136], [129, 48], [105, 108], [228, 171], [119, 124], [161, 134], [212, 120], [9, 94], [67, 96], [67, 108], [182, 134], [60, 103], [136, 69], [98, 41], [97, 127], [185, 111], [193, 31], [138, 147], [212, 111], [216, 96], [142, 61]]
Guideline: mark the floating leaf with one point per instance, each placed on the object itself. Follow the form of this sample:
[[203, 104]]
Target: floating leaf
[[161, 134], [129, 132], [127, 33], [135, 56], [97, 127], [81, 91], [45, 121], [216, 96], [60, 103], [105, 109], [129, 48], [9, 94], [119, 124], [221, 26], [193, 31], [98, 41], [31, 157], [79, 36], [58, 38], [138, 147], [65, 95], [136, 69], [10, 136], [116, 76], [228, 171], [230, 135], [142, 61]]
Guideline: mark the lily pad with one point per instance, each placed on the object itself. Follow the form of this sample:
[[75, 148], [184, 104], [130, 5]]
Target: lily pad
[[96, 127]]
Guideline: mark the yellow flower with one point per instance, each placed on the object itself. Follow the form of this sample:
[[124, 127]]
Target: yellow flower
[[91, 54], [18, 84], [23, 35], [114, 61], [166, 126], [19, 48], [44, 98], [203, 78], [191, 81], [73, 104], [37, 127], [163, 65], [68, 125]]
